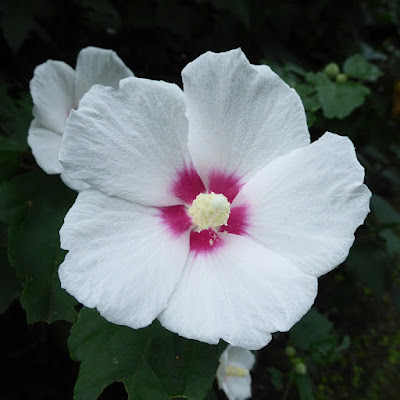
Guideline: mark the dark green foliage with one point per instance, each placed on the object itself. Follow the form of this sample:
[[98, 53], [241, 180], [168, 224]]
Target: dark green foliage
[[34, 249], [151, 362]]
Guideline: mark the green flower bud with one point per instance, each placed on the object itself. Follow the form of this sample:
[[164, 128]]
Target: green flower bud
[[332, 70], [290, 351], [341, 78], [300, 368]]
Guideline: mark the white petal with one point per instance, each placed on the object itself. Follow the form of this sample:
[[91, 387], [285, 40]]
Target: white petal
[[45, 145], [74, 184], [53, 92], [237, 388], [307, 205], [240, 357], [95, 65], [241, 292], [122, 259], [130, 143], [240, 116]]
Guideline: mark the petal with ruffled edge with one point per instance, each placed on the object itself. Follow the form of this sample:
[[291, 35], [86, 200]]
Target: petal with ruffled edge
[[53, 92], [307, 204], [240, 292], [241, 116], [130, 143], [95, 65], [122, 258], [45, 144]]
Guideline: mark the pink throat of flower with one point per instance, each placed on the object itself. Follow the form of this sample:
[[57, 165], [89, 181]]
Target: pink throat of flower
[[186, 187]]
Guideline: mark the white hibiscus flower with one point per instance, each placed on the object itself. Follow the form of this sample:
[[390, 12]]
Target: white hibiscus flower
[[237, 262], [233, 373], [56, 89]]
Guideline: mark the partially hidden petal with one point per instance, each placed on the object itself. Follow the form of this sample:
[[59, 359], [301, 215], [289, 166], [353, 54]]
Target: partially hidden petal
[[45, 144], [74, 184], [122, 258], [95, 65], [307, 204], [53, 92], [241, 292], [237, 388], [240, 357], [241, 116], [130, 143], [233, 373]]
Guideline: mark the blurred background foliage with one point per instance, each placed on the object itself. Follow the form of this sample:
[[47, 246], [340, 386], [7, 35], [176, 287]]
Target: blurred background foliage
[[342, 57]]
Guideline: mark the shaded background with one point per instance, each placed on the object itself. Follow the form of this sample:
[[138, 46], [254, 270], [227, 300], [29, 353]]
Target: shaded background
[[353, 347]]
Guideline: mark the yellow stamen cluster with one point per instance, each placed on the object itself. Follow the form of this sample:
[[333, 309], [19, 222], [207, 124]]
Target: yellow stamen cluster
[[210, 210], [231, 370]]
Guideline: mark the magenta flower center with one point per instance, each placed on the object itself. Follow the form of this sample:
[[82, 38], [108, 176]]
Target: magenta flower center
[[186, 187]]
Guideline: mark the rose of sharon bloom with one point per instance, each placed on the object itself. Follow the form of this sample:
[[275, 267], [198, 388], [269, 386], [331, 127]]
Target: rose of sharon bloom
[[233, 373], [209, 209], [56, 89]]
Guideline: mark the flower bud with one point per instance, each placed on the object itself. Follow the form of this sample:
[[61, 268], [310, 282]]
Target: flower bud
[[300, 368], [290, 351], [332, 70], [341, 78]]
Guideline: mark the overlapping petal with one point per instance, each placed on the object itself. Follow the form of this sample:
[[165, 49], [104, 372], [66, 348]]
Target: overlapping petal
[[307, 204], [98, 66], [241, 292], [53, 92], [130, 143], [240, 116], [56, 90], [122, 259], [45, 144]]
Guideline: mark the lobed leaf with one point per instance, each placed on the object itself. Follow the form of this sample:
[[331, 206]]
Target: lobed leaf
[[152, 362], [358, 67], [34, 246], [310, 329]]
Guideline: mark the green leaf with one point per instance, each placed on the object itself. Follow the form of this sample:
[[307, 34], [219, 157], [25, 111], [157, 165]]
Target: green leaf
[[338, 100], [211, 395], [9, 288], [34, 251], [101, 13], [15, 116], [304, 387], [16, 194], [358, 67], [312, 328], [9, 163], [276, 378], [152, 362], [370, 265], [385, 213], [392, 241], [17, 22]]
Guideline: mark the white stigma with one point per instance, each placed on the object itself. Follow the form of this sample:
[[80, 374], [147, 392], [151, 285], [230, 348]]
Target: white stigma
[[210, 210]]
